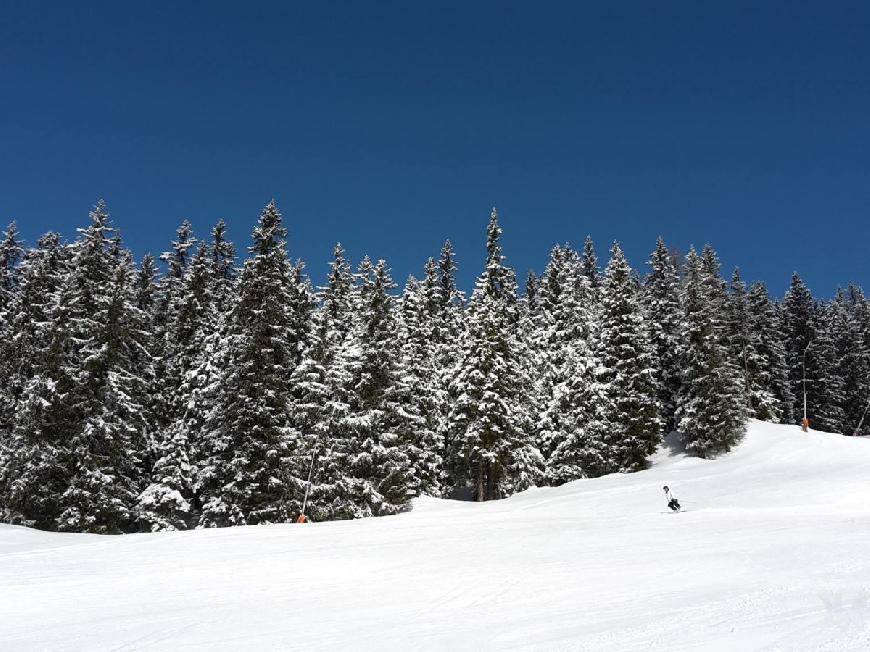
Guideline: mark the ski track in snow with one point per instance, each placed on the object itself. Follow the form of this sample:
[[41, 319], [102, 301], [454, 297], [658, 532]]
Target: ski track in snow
[[770, 554]]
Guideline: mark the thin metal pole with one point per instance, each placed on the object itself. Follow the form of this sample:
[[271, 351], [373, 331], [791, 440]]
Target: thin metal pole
[[308, 484], [804, 365]]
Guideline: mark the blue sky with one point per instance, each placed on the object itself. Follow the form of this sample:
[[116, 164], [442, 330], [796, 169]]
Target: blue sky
[[393, 126]]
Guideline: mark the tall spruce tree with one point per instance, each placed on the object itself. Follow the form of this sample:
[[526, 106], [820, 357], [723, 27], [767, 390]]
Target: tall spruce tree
[[627, 369], [31, 472], [490, 431], [564, 368], [711, 413], [98, 393], [246, 477], [664, 313], [770, 397]]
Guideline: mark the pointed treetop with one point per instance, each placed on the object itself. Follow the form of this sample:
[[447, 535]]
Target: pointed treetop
[[11, 249], [493, 240], [447, 273], [269, 233], [737, 284], [590, 262]]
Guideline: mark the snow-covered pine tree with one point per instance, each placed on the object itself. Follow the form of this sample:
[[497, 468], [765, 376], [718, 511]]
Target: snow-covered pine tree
[[664, 314], [858, 379], [100, 390], [850, 360], [810, 357], [828, 386], [738, 335], [490, 429], [590, 264], [169, 300], [447, 336], [11, 253], [419, 316], [711, 413], [222, 268], [321, 388], [383, 417], [248, 478], [30, 468], [769, 392], [203, 383], [167, 502], [564, 369], [627, 369]]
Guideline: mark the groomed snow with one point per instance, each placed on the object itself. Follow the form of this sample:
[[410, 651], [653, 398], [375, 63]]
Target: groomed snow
[[772, 553]]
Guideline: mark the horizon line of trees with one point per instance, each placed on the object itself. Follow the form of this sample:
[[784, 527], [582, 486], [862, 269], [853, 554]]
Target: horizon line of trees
[[134, 400]]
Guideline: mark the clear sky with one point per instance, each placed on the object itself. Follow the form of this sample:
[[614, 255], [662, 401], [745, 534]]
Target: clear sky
[[393, 126]]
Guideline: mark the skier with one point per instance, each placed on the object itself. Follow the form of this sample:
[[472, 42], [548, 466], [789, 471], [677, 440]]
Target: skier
[[673, 503]]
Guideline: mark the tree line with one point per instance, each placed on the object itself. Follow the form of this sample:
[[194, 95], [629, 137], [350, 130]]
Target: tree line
[[203, 392]]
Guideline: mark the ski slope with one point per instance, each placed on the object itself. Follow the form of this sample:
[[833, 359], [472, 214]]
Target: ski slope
[[773, 553]]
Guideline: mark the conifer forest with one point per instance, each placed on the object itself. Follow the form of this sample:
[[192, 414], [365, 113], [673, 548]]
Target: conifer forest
[[211, 389]]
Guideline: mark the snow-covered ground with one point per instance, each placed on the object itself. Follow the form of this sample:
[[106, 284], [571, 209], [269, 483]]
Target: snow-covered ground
[[772, 553]]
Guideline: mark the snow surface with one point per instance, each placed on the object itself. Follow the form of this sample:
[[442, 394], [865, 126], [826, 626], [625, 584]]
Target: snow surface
[[771, 554]]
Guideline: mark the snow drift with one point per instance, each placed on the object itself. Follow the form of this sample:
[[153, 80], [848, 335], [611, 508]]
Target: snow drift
[[771, 553]]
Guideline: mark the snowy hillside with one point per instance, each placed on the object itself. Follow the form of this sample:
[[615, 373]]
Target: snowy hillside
[[771, 553]]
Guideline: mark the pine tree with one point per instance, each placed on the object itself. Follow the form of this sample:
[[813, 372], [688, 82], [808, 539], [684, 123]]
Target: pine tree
[[564, 366], [99, 389], [825, 382], [850, 361], [384, 418], [664, 315], [857, 377], [810, 357], [222, 268], [738, 333], [248, 480], [490, 433], [30, 466], [321, 395], [710, 409], [11, 252], [419, 317], [590, 264], [627, 371], [770, 397], [448, 332], [166, 504]]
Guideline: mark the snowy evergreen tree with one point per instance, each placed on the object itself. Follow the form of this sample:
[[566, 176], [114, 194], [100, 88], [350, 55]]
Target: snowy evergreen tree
[[664, 314], [490, 431], [419, 316], [31, 470], [564, 368], [827, 387], [850, 361], [711, 413], [811, 357], [246, 478], [383, 416], [770, 397], [321, 395], [222, 268], [166, 504], [627, 370], [92, 406], [448, 331], [11, 253], [590, 264]]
